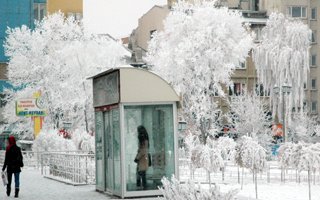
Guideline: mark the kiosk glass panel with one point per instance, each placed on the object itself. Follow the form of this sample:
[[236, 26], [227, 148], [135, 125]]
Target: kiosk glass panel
[[99, 150], [157, 120]]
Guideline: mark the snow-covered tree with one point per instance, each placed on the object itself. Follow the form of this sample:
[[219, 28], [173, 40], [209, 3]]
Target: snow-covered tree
[[56, 58], [301, 156], [249, 115], [303, 128], [282, 59], [251, 155], [173, 190], [196, 53], [227, 149], [52, 141]]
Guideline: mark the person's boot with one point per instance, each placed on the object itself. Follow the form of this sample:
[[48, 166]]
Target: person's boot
[[16, 193], [8, 190]]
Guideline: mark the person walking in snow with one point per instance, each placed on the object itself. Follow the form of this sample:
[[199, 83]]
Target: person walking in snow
[[142, 157], [13, 162]]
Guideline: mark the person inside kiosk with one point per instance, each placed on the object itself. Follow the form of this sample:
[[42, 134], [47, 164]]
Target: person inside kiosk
[[142, 158]]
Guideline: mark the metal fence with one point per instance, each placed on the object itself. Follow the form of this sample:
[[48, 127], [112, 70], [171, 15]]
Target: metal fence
[[76, 168], [79, 168], [73, 167], [234, 174]]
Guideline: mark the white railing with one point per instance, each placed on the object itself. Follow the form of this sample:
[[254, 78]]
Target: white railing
[[75, 168]]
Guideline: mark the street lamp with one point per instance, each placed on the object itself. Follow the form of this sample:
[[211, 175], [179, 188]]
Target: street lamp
[[286, 89]]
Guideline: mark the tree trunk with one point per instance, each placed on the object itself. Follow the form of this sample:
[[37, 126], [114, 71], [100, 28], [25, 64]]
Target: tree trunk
[[256, 184], [309, 184], [242, 178], [222, 172], [209, 179], [238, 175]]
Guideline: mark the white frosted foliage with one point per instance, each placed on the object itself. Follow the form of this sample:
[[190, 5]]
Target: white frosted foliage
[[282, 58], [197, 52], [56, 58]]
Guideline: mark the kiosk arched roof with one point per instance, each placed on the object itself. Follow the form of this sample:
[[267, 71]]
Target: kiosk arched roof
[[137, 85]]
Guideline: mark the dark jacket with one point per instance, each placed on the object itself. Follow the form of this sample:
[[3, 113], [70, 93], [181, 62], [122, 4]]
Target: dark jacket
[[13, 159]]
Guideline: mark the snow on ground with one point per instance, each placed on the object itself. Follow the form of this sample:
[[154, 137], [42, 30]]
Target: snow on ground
[[276, 191], [35, 187]]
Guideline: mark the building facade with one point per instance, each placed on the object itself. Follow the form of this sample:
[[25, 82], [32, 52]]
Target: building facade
[[255, 12], [68, 8]]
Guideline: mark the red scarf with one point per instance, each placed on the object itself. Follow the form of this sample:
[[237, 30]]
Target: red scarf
[[12, 141]]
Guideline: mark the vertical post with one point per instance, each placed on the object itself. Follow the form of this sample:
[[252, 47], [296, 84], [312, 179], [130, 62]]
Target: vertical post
[[283, 118]]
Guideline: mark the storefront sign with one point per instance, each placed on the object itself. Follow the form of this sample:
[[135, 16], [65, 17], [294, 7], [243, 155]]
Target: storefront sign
[[30, 108]]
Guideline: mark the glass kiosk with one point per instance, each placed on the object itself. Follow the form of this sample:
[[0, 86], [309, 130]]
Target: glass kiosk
[[126, 98]]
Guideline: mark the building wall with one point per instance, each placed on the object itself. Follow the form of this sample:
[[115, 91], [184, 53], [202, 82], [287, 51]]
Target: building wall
[[65, 6], [151, 21], [13, 13]]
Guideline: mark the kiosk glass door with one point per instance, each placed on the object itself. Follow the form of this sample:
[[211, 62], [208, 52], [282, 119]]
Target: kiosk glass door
[[112, 151], [99, 151], [157, 121]]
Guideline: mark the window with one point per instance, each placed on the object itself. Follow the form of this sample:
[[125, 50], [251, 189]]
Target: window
[[314, 13], [3, 102], [258, 35], [304, 85], [313, 84], [237, 89], [297, 11], [314, 106], [313, 60], [260, 91], [242, 65], [76, 16], [151, 33], [39, 11], [314, 37]]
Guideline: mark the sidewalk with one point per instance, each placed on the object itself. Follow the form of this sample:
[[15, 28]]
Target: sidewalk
[[35, 187]]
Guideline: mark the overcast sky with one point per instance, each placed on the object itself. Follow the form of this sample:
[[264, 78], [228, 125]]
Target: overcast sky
[[116, 17]]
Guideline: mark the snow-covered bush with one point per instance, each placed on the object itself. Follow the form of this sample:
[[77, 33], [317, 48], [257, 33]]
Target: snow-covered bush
[[173, 190], [303, 127], [300, 156], [52, 141], [250, 155], [249, 115], [83, 141], [227, 147]]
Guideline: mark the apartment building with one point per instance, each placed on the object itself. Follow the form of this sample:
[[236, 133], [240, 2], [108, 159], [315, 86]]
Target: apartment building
[[255, 12]]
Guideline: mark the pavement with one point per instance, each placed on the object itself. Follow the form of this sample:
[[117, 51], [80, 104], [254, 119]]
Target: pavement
[[33, 186]]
